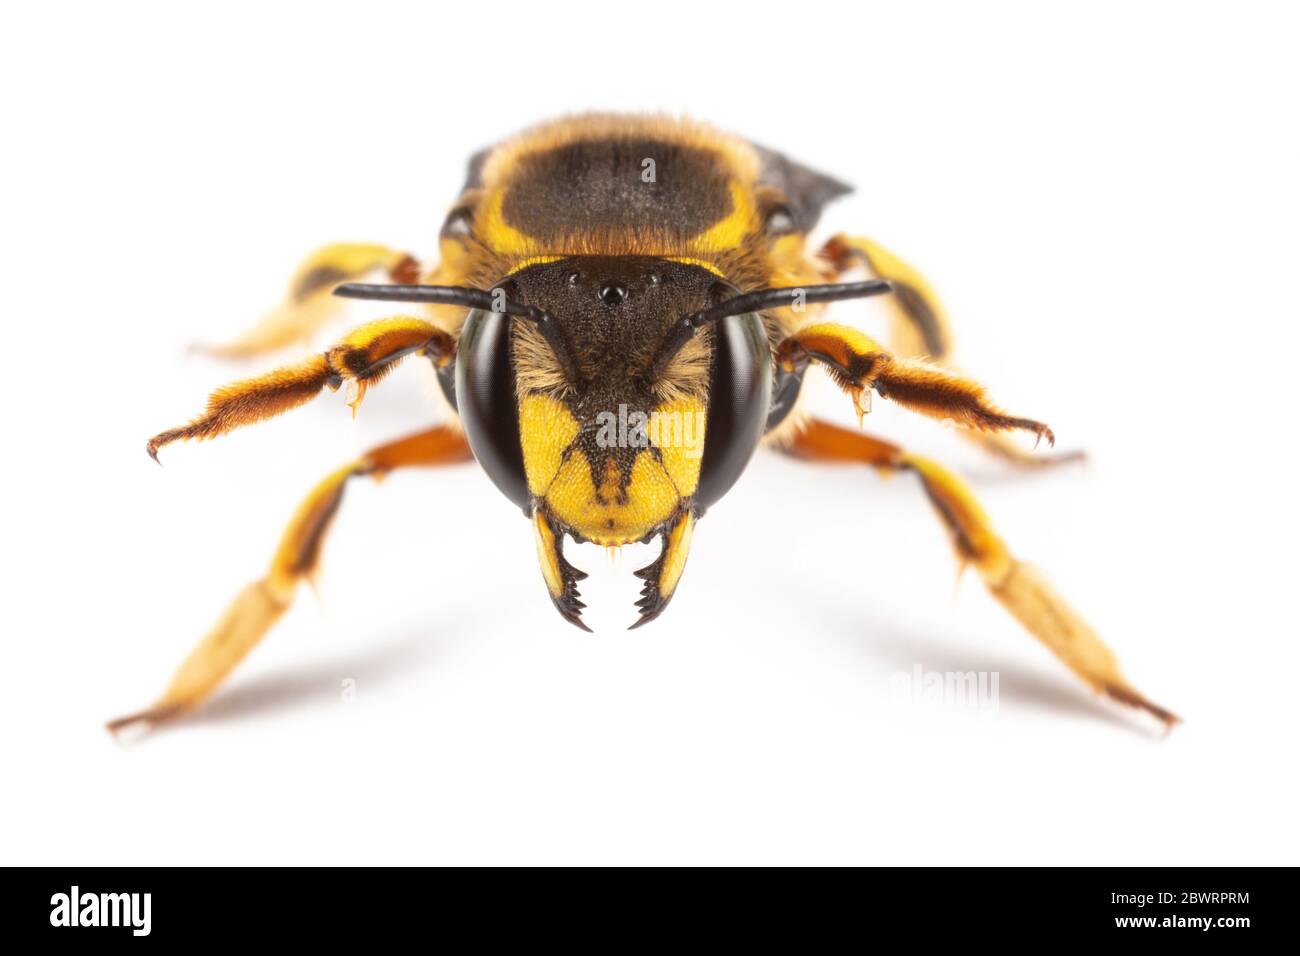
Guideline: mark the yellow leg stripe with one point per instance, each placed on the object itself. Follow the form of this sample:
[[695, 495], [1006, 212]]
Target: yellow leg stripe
[[309, 305], [977, 541], [244, 623], [1018, 587], [920, 326], [259, 605], [363, 358], [858, 365]]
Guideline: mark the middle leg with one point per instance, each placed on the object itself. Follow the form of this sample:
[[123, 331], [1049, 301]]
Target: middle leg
[[361, 359], [919, 328]]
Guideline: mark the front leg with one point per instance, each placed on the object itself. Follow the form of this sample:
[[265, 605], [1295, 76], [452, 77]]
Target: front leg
[[361, 359], [919, 328], [859, 366]]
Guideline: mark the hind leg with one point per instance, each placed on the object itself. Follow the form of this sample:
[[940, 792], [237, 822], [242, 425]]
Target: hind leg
[[259, 605], [308, 304], [1018, 587]]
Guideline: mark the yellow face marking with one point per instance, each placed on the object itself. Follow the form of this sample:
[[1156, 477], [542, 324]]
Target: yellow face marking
[[608, 514], [649, 499], [676, 548], [677, 430], [546, 429]]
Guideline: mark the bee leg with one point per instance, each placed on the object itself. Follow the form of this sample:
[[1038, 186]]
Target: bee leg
[[362, 358], [561, 577], [919, 329], [918, 323], [259, 605], [662, 574], [1018, 587], [308, 304], [859, 366]]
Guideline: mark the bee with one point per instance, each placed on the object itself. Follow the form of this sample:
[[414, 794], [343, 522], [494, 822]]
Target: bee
[[624, 309]]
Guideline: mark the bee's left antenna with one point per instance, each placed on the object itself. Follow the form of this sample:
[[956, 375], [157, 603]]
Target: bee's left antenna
[[684, 329]]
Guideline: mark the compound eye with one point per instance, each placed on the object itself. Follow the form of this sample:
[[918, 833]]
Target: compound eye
[[740, 389], [486, 401]]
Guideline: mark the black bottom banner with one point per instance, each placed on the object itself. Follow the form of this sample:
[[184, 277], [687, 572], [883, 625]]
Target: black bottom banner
[[1175, 906]]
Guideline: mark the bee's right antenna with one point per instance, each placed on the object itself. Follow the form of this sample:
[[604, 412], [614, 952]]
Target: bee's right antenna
[[758, 300]]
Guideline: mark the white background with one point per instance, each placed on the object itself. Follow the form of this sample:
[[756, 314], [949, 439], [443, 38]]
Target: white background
[[1106, 196]]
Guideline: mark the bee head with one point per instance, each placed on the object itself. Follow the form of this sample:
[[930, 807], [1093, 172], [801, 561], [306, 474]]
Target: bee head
[[580, 418]]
